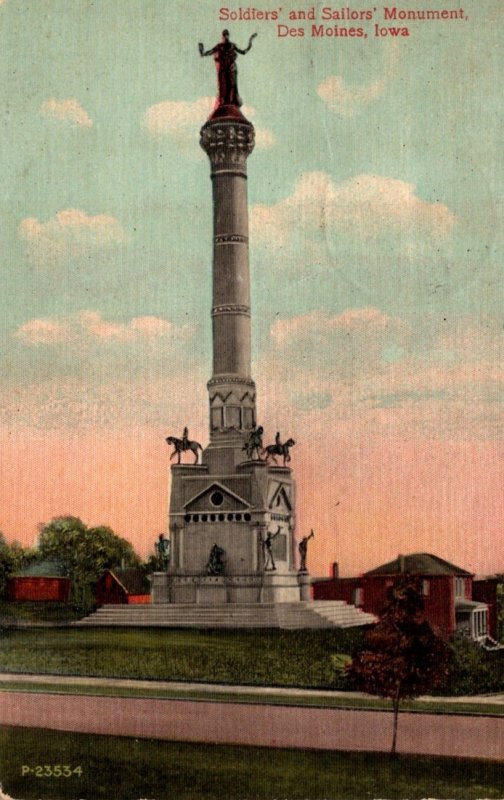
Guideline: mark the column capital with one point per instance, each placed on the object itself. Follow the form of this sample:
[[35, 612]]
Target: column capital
[[227, 143]]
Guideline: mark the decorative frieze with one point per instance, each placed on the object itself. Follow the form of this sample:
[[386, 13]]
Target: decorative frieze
[[228, 143], [231, 308], [230, 238]]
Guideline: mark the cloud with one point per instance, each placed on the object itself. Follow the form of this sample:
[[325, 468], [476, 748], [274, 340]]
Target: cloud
[[346, 99], [366, 205], [71, 233], [69, 110], [176, 117], [444, 381], [91, 327], [343, 347], [319, 323], [43, 331], [181, 119]]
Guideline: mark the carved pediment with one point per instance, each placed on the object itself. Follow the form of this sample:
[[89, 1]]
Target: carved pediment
[[216, 497], [281, 501]]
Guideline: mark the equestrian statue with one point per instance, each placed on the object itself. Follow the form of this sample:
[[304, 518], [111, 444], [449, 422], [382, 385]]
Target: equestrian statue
[[278, 449], [183, 445], [254, 443]]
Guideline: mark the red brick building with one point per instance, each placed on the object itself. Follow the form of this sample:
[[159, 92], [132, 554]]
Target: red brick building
[[123, 587], [42, 581], [451, 602]]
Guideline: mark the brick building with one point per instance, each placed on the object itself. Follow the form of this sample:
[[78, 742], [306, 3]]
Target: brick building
[[452, 600], [42, 581], [123, 587]]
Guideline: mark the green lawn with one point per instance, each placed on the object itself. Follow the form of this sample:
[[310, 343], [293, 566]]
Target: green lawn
[[38, 612], [279, 658], [132, 768]]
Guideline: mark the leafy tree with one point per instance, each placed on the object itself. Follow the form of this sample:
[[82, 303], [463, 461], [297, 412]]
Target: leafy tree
[[402, 657], [85, 553]]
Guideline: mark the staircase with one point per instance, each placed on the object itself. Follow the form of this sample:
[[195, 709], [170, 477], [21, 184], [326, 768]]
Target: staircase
[[299, 615]]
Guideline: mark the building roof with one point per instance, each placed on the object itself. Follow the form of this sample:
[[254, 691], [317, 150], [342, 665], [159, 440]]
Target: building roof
[[133, 580], [418, 564], [469, 605], [43, 569]]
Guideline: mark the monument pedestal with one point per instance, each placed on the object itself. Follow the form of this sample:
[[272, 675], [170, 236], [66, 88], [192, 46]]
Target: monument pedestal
[[219, 589]]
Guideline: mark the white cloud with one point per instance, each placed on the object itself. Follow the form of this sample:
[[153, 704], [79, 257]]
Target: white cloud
[[91, 327], [43, 331], [345, 346], [176, 117], [319, 323], [69, 110], [347, 99], [366, 205], [264, 138], [71, 233], [181, 119]]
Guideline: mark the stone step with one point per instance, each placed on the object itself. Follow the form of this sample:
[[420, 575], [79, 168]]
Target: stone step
[[297, 615]]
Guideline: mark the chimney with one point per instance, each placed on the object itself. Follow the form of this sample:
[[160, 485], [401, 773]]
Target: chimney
[[401, 564], [335, 570]]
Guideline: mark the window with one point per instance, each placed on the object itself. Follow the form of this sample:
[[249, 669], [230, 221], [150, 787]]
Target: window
[[216, 498]]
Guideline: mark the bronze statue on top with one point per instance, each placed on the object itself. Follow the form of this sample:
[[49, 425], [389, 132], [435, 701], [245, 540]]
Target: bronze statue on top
[[254, 443], [224, 54], [182, 445], [279, 449]]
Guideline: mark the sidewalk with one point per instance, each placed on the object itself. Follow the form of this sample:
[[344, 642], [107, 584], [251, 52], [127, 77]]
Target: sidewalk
[[219, 688]]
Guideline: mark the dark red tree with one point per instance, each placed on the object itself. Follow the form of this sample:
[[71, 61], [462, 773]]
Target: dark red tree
[[402, 657]]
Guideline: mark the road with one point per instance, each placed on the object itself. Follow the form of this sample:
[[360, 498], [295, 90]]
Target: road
[[256, 724]]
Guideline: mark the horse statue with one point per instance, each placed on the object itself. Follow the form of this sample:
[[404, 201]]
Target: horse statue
[[254, 443], [182, 445], [279, 449]]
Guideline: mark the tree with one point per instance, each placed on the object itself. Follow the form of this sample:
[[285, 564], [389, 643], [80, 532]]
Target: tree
[[402, 657], [85, 553]]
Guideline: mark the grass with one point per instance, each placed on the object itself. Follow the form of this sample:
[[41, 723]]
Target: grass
[[133, 768], [10, 613], [270, 658], [337, 701]]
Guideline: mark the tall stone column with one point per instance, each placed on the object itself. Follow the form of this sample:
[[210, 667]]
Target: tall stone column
[[228, 142]]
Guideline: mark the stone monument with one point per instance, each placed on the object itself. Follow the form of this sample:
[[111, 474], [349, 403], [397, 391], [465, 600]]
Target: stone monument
[[232, 516]]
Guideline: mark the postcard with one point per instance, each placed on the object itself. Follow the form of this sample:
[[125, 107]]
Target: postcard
[[252, 380]]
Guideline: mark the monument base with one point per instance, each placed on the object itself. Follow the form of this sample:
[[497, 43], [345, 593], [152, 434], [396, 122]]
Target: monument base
[[267, 587]]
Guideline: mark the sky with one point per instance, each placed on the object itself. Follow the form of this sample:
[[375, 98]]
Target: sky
[[375, 205]]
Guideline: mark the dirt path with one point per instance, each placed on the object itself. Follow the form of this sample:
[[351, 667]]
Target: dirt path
[[253, 724]]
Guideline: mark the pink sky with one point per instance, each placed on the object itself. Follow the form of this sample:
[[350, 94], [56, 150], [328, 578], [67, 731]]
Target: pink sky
[[395, 495]]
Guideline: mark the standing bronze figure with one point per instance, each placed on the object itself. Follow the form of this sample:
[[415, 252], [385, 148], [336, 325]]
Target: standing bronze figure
[[224, 54], [303, 549]]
